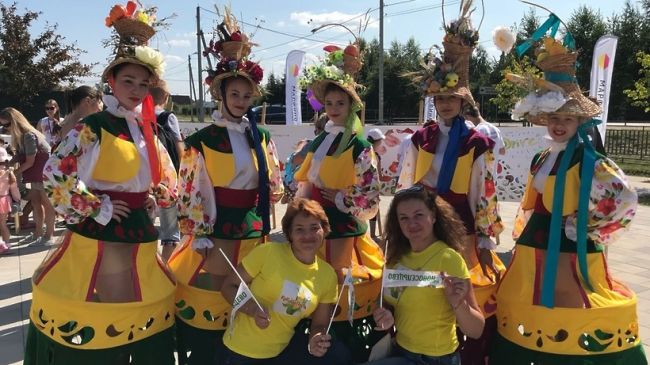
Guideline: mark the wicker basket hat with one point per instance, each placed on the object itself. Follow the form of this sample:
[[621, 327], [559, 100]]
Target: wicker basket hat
[[339, 67], [560, 69], [134, 32], [449, 74], [231, 51]]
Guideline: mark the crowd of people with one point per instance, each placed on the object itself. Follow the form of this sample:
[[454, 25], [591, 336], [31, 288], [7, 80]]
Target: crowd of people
[[429, 290]]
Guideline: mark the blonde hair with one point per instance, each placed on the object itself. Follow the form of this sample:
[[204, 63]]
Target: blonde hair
[[19, 126]]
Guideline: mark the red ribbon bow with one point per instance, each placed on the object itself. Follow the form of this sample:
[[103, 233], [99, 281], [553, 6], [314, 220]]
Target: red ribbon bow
[[148, 121]]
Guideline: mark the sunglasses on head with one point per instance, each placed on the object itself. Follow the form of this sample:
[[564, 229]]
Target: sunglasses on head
[[413, 189]]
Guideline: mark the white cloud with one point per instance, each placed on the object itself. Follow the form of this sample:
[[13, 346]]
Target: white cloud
[[280, 24], [173, 58], [178, 43], [307, 18]]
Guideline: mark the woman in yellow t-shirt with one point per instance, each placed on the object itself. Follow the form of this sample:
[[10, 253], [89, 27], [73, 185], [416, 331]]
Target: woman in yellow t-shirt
[[292, 284], [425, 237]]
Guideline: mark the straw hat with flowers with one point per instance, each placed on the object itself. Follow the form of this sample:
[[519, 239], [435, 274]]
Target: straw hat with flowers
[[558, 91], [134, 26], [448, 72], [340, 67], [231, 51]]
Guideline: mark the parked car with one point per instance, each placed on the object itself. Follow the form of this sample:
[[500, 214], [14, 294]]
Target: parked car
[[275, 114]]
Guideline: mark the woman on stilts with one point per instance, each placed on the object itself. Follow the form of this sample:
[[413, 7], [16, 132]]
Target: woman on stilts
[[103, 296], [229, 176], [340, 172], [454, 160]]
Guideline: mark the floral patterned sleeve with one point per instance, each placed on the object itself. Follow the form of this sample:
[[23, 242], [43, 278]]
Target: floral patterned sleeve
[[275, 179], [483, 201], [362, 199], [612, 205], [69, 195], [165, 192], [407, 168], [197, 209]]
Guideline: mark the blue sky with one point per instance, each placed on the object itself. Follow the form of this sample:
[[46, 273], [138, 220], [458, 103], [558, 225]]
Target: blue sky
[[83, 23]]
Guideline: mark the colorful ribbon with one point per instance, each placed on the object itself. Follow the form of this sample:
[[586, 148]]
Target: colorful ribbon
[[263, 187], [553, 249], [559, 77], [149, 120], [552, 24], [352, 126], [458, 131]]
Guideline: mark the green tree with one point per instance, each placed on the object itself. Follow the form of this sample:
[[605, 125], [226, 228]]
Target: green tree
[[626, 27], [33, 65], [507, 92], [586, 26], [640, 94], [274, 90], [480, 69]]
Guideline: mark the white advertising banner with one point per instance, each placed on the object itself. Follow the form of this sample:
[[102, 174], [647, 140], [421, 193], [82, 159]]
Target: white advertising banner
[[602, 68], [292, 90]]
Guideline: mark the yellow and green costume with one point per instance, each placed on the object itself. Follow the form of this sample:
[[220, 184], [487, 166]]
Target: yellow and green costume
[[218, 196], [103, 158], [353, 172], [603, 328]]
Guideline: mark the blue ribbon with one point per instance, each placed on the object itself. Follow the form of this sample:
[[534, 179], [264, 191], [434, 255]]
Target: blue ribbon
[[553, 250], [558, 77], [263, 188], [552, 22], [458, 131]]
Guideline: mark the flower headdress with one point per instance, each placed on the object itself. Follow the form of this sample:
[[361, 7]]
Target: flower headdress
[[134, 26], [231, 48], [446, 72], [340, 67], [558, 92]]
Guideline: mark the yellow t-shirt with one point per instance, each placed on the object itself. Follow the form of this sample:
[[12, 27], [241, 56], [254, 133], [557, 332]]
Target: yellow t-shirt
[[424, 319], [288, 289]]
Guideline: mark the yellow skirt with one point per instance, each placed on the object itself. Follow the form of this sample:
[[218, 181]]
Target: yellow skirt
[[65, 306], [201, 308], [606, 324]]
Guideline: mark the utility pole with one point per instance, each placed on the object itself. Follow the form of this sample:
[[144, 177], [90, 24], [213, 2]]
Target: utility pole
[[192, 90], [381, 62], [199, 72]]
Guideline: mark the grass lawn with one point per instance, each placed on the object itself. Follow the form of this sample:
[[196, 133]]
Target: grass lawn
[[634, 169]]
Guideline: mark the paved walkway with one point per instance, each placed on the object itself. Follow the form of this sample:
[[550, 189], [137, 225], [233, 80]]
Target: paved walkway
[[629, 260]]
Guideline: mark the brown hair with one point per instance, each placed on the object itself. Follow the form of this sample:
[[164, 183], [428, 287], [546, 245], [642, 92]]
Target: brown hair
[[19, 126], [332, 87], [159, 93], [306, 207], [57, 115], [447, 227]]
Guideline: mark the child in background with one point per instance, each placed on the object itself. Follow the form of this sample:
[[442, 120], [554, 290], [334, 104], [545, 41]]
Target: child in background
[[8, 194]]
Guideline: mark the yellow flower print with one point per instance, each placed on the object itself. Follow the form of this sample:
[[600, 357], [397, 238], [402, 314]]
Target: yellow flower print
[[87, 136], [196, 213], [60, 196]]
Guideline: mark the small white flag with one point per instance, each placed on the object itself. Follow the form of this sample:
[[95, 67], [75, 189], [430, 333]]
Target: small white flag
[[242, 297], [351, 297]]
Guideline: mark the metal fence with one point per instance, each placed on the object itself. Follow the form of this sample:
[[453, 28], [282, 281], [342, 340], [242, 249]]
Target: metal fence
[[629, 145]]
